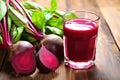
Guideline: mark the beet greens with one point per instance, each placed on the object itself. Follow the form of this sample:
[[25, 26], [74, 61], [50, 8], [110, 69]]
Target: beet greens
[[5, 41], [28, 21], [25, 25]]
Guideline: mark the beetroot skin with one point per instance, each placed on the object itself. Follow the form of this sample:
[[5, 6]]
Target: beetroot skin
[[22, 57], [24, 63], [19, 47], [54, 44], [50, 54], [46, 60]]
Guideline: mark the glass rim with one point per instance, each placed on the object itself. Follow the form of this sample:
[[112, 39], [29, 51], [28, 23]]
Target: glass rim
[[97, 17]]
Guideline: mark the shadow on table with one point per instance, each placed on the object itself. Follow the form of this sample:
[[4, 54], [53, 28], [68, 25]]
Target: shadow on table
[[94, 73]]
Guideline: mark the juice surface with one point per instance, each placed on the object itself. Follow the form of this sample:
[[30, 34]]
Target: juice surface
[[80, 39]]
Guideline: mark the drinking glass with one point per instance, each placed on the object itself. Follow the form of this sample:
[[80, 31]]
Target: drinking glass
[[80, 33]]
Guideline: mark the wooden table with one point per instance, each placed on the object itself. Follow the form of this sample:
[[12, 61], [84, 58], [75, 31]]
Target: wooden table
[[107, 63]]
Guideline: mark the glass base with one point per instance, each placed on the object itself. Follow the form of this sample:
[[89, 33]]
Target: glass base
[[79, 65]]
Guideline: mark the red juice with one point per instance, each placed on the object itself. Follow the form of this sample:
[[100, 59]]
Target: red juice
[[80, 39]]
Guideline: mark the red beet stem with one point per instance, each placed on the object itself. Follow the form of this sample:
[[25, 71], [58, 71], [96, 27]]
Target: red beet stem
[[7, 41], [5, 33], [36, 32], [15, 5], [31, 25]]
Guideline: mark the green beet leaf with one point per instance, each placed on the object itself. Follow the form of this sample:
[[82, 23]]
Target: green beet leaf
[[26, 36], [9, 23], [17, 18], [19, 33], [16, 33], [38, 19], [53, 5], [0, 38], [50, 11], [53, 30], [3, 9], [55, 21], [70, 15], [48, 14], [13, 32], [59, 13], [31, 5]]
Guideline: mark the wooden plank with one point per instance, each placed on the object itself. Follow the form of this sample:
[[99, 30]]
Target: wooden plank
[[107, 60], [107, 55], [111, 12]]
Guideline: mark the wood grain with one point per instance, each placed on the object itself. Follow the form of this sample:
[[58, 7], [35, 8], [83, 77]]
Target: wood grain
[[111, 12], [107, 62]]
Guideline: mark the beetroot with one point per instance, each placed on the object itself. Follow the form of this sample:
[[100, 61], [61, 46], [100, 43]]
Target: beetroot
[[19, 47], [50, 53], [47, 61], [22, 58], [54, 44]]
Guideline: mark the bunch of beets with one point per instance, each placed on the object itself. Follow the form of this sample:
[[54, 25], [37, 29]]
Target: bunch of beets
[[32, 44], [24, 57]]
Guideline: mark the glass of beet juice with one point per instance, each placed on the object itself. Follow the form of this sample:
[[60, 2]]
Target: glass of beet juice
[[80, 33]]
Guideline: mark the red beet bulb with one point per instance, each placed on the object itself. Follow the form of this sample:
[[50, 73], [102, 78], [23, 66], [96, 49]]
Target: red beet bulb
[[54, 44], [50, 54], [19, 47], [23, 60], [46, 60]]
